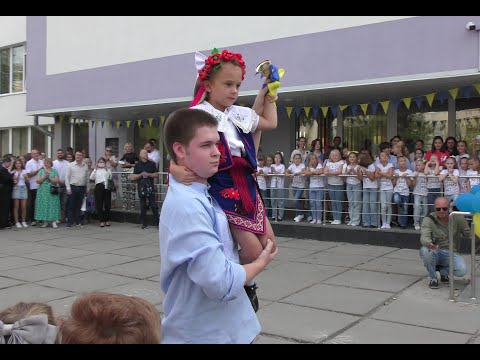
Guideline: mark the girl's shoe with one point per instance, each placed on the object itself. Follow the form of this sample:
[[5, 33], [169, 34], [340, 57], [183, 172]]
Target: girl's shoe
[[107, 224], [18, 225], [54, 224], [24, 224], [102, 224], [44, 225]]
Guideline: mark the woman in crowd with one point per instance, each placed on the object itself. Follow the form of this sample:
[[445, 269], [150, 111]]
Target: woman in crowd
[[47, 203], [20, 193]]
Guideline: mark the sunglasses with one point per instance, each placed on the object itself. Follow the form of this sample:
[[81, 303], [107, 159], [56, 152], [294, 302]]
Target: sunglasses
[[442, 209]]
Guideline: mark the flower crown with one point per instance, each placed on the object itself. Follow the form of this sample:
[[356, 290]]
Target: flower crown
[[215, 60]]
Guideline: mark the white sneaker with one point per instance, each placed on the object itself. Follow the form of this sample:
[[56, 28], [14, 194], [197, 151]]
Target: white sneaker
[[383, 226], [336, 222], [24, 224], [313, 221], [417, 227], [353, 225], [388, 226], [54, 225], [298, 218], [309, 218], [18, 225], [33, 223], [44, 225]]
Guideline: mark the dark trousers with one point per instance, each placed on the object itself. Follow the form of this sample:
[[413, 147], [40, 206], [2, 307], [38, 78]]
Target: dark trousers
[[5, 197], [75, 203], [32, 196], [143, 207], [103, 202]]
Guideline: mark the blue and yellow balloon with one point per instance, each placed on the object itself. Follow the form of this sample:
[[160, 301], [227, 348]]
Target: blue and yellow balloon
[[470, 202]]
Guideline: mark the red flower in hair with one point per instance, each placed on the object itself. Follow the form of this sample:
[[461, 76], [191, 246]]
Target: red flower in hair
[[215, 60]]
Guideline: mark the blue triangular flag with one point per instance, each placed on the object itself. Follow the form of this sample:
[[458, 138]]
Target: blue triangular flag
[[374, 107], [315, 112], [418, 101]]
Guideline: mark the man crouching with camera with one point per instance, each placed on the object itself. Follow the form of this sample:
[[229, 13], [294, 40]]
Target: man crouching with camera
[[435, 242]]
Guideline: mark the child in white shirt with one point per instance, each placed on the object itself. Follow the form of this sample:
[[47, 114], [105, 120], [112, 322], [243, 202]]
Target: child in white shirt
[[334, 168], [316, 193], [401, 192], [277, 187], [420, 194], [370, 191], [384, 174], [298, 184], [354, 190], [449, 176], [474, 163]]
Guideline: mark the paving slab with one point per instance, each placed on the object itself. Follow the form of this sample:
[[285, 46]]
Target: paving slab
[[395, 266], [302, 323], [334, 259], [309, 244], [368, 250], [141, 251], [86, 281], [405, 254], [264, 339], [30, 293], [426, 307], [6, 282], [372, 280], [371, 331], [145, 289], [339, 298], [15, 262], [97, 261], [41, 272], [141, 269], [291, 254], [286, 279], [58, 254]]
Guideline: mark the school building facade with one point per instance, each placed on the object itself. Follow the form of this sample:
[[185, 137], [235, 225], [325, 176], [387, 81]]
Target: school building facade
[[99, 80]]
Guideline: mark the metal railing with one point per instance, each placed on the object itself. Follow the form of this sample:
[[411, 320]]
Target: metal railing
[[451, 255]]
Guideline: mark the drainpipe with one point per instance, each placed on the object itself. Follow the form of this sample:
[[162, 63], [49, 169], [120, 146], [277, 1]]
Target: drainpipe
[[42, 130]]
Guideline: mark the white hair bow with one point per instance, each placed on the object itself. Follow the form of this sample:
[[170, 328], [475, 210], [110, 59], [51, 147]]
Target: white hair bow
[[31, 330], [200, 60]]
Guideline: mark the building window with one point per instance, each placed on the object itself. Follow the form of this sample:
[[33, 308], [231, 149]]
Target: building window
[[312, 128], [422, 123], [364, 131], [80, 141], [12, 69], [39, 140], [20, 141], [468, 122], [4, 143]]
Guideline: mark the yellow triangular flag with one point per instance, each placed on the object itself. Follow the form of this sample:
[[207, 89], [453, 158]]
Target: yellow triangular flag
[[477, 87], [407, 102], [128, 123], [289, 110], [307, 110], [98, 123], [430, 98], [139, 123], [117, 123], [385, 105], [364, 108], [241, 104], [343, 107], [453, 92], [107, 123], [162, 118], [324, 110], [150, 120]]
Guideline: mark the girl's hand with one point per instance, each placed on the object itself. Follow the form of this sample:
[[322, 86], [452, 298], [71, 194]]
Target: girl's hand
[[186, 176]]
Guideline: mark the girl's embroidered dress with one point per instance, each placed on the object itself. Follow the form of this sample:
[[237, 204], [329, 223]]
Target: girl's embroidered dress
[[234, 186]]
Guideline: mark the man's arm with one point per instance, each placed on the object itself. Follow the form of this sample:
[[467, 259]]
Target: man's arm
[[426, 232], [464, 228]]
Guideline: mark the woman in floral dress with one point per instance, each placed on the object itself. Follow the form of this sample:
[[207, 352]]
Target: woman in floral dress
[[47, 205]]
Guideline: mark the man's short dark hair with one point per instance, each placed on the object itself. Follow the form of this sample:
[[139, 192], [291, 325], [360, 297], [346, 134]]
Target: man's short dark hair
[[384, 145], [181, 126]]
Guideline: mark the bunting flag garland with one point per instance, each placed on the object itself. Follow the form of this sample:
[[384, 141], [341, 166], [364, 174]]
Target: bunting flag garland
[[324, 111], [343, 107], [139, 123], [163, 118], [467, 91], [150, 120], [297, 111], [418, 101], [385, 105], [453, 92], [354, 109], [117, 123], [364, 108], [315, 112], [477, 87], [441, 96], [395, 104], [307, 110], [407, 102], [128, 122], [334, 110], [430, 98], [289, 110], [374, 107]]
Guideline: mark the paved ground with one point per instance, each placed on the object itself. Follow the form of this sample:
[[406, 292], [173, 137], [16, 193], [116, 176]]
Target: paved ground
[[315, 292]]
